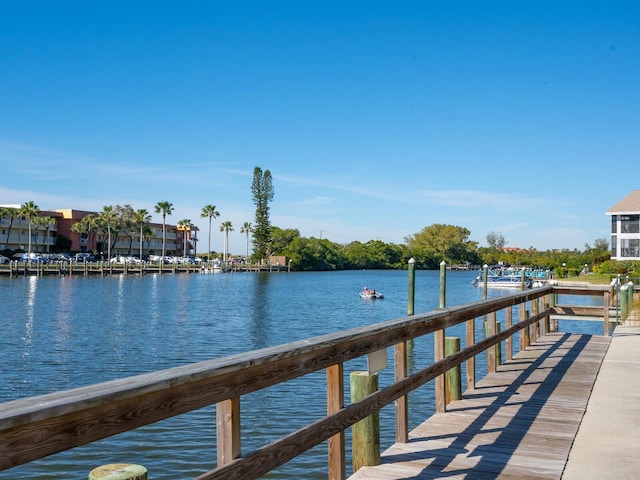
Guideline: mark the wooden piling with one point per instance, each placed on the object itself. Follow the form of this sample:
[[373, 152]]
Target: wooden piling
[[412, 284], [366, 432], [453, 380], [119, 471], [623, 302], [443, 284]]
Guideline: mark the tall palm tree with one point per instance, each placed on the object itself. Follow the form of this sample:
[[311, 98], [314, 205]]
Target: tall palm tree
[[147, 234], [140, 218], [246, 229], [226, 227], [29, 210], [166, 208], [87, 225], [108, 219], [185, 226], [44, 222], [10, 213], [211, 212]]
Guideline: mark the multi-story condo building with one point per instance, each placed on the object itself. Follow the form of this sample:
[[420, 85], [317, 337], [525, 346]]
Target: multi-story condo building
[[17, 233], [15, 228], [625, 228]]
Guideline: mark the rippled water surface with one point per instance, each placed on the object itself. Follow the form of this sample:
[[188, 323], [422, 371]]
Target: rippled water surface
[[59, 333]]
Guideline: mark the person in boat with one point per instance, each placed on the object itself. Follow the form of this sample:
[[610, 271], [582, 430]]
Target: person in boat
[[365, 290]]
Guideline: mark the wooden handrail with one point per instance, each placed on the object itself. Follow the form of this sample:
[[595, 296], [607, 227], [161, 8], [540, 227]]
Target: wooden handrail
[[35, 427]]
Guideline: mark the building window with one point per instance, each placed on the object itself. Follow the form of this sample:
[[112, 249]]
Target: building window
[[630, 248], [630, 223], [614, 246], [614, 223]]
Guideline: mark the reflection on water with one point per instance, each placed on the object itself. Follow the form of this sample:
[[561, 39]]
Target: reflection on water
[[32, 288], [259, 315]]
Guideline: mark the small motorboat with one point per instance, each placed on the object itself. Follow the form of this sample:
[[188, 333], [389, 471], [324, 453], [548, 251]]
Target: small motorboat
[[370, 294]]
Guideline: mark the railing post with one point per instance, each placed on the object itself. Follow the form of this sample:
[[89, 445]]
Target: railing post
[[453, 376], [438, 346], [606, 301], [402, 403], [498, 346], [509, 341], [521, 318], [535, 308], [335, 403], [471, 362], [553, 323], [366, 432], [489, 331], [228, 430], [527, 332]]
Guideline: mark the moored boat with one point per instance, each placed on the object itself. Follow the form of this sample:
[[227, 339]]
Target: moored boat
[[500, 276]]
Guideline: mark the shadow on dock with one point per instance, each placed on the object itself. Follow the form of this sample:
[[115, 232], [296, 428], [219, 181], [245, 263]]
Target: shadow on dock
[[518, 423]]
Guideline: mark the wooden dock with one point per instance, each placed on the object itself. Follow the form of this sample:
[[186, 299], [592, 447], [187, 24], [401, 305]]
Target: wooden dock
[[519, 423], [63, 269]]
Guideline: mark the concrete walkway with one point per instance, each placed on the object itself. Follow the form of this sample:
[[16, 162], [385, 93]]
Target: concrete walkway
[[607, 445]]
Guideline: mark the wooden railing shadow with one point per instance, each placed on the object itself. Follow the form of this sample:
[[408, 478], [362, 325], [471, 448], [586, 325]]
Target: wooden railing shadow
[[509, 436], [36, 427]]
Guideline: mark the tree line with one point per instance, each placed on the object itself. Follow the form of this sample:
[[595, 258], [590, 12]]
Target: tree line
[[429, 247]]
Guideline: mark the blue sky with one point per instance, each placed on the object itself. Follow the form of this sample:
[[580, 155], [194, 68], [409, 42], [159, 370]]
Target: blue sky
[[376, 119]]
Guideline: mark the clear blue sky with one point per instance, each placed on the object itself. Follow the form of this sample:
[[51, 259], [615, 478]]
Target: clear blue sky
[[376, 119]]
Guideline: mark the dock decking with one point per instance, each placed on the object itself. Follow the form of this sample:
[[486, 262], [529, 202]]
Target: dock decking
[[519, 423]]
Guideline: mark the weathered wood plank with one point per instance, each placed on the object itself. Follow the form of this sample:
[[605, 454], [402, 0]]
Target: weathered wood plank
[[518, 423]]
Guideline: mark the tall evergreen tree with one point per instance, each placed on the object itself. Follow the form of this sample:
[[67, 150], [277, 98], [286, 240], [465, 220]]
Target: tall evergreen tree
[[262, 194]]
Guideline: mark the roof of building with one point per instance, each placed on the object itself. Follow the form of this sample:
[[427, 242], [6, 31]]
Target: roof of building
[[629, 204]]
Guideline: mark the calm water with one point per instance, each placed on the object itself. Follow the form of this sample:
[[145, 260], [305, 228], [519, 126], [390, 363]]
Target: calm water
[[67, 332]]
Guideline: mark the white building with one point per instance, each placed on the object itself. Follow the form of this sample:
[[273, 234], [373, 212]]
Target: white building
[[625, 228]]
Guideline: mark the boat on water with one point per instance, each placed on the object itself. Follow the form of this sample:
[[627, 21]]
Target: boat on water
[[500, 276], [217, 267], [370, 294]]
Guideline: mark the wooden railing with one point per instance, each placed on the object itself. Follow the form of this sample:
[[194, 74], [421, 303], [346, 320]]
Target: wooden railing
[[35, 427]]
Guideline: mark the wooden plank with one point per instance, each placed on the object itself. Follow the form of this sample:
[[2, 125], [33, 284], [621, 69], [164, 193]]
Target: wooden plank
[[519, 423]]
